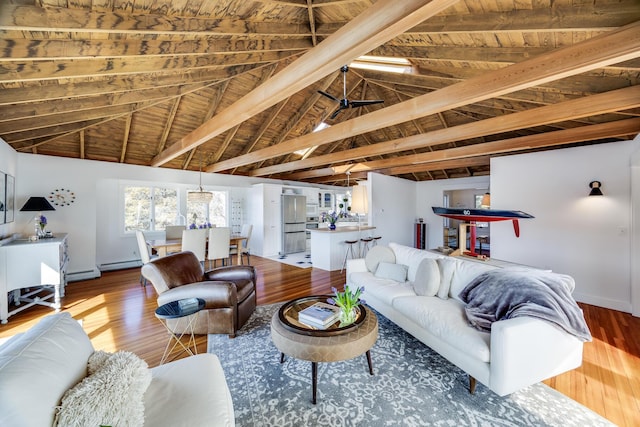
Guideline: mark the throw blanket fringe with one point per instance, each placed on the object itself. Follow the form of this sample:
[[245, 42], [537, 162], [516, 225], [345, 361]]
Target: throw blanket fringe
[[506, 293]]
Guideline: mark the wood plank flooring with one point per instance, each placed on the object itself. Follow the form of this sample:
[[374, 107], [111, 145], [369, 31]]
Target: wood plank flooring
[[117, 314]]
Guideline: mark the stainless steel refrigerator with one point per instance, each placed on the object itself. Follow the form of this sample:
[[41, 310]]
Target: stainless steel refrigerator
[[294, 218]]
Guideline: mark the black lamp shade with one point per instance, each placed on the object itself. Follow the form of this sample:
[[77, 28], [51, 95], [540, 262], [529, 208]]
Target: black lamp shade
[[37, 204], [595, 188]]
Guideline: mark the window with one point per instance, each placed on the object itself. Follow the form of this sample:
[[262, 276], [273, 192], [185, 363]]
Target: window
[[149, 208], [214, 212]]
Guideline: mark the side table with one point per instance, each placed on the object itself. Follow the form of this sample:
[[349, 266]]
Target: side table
[[183, 308]]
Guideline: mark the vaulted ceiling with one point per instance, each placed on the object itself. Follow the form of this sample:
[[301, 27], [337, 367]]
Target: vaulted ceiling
[[232, 85]]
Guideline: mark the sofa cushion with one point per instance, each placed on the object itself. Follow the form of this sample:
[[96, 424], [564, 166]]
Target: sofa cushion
[[189, 392], [386, 290], [112, 395], [446, 266], [396, 272], [38, 367], [410, 257], [464, 273], [446, 320], [427, 278], [378, 254]]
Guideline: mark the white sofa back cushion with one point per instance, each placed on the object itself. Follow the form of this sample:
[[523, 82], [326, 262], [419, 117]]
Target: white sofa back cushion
[[410, 257], [464, 273], [376, 255], [395, 272], [427, 280], [38, 367]]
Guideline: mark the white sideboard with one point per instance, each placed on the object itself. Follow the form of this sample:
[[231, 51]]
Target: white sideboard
[[40, 266]]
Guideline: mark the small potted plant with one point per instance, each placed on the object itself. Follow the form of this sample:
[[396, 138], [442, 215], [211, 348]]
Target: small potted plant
[[330, 217], [348, 302]]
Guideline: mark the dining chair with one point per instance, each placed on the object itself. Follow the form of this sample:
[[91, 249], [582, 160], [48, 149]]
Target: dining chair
[[243, 247], [218, 245], [195, 240], [145, 253], [174, 232]]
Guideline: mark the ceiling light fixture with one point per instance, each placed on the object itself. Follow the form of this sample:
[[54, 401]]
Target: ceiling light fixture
[[200, 196]]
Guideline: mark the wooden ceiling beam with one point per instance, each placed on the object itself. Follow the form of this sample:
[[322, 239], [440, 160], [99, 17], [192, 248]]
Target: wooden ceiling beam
[[30, 110], [312, 22], [44, 49], [373, 27], [33, 92], [125, 138], [599, 51], [169, 123], [583, 17], [620, 99], [33, 70], [62, 19]]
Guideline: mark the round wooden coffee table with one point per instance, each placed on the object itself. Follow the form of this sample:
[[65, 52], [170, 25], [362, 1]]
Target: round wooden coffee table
[[332, 344]]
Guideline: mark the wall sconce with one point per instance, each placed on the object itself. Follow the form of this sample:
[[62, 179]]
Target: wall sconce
[[595, 188]]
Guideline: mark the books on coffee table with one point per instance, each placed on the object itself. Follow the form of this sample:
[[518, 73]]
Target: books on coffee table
[[319, 315]]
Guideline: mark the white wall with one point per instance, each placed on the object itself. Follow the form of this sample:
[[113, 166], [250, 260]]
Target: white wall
[[585, 237], [8, 165], [93, 221], [392, 208], [430, 193]]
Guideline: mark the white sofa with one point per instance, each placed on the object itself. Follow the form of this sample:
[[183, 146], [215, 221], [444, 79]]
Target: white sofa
[[516, 353], [38, 367]]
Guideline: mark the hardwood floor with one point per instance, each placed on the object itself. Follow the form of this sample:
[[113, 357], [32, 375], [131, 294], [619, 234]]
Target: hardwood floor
[[117, 313]]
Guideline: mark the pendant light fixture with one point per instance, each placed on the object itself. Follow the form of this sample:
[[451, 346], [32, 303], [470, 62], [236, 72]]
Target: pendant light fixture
[[200, 196]]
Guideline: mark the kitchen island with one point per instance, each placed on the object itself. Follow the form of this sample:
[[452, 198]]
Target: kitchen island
[[328, 247]]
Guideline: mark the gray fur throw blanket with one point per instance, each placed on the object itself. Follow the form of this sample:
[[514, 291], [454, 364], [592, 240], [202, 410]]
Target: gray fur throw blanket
[[505, 293]]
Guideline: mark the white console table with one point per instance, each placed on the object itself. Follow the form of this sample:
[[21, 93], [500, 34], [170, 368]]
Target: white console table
[[39, 266]]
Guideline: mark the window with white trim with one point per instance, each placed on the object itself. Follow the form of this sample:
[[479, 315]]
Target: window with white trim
[[214, 213], [149, 208]]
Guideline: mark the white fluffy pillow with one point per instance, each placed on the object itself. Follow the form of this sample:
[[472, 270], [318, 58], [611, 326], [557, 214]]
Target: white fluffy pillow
[[427, 281], [387, 270], [112, 395], [447, 267], [376, 255]]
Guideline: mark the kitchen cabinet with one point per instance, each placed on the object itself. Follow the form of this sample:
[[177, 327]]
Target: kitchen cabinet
[[326, 200], [264, 212], [40, 266]]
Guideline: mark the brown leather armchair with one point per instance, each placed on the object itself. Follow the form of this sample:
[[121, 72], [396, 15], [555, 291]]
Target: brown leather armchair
[[229, 292]]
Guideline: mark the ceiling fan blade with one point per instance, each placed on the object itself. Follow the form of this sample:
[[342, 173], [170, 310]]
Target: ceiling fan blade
[[362, 103], [328, 96], [335, 113]]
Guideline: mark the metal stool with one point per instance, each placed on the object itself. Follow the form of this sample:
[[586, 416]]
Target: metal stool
[[348, 250], [375, 240], [365, 245]]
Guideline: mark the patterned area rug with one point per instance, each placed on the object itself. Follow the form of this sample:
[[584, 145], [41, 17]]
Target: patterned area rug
[[300, 259], [412, 386]]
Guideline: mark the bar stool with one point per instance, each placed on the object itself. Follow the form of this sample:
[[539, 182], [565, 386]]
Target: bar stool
[[375, 240], [348, 250], [365, 245]]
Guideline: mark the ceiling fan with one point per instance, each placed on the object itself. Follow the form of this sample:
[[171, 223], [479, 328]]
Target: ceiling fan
[[344, 102]]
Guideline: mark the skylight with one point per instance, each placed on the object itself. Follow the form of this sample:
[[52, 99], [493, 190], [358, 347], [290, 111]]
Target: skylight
[[305, 152], [386, 64]]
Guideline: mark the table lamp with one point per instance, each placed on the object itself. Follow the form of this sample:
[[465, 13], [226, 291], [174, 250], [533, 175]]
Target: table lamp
[[37, 204]]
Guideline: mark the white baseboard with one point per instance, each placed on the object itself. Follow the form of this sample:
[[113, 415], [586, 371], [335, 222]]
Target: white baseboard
[[624, 306], [83, 275], [120, 265]]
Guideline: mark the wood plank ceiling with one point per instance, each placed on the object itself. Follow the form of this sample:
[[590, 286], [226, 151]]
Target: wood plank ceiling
[[232, 85]]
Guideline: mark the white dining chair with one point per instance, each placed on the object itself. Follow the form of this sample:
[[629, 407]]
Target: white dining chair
[[145, 253], [218, 245], [195, 240], [174, 232], [243, 247]]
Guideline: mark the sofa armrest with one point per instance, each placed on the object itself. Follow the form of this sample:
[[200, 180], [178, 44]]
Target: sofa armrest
[[526, 350], [232, 273], [216, 294], [355, 266]]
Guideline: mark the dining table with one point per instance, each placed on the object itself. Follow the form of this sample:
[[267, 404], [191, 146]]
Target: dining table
[[167, 246]]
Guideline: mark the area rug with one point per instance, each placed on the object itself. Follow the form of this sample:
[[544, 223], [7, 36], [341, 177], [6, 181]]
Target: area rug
[[300, 259], [412, 386]]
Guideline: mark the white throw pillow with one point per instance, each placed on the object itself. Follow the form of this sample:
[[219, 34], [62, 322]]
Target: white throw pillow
[[378, 254], [387, 270], [447, 267], [427, 280], [113, 395]]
